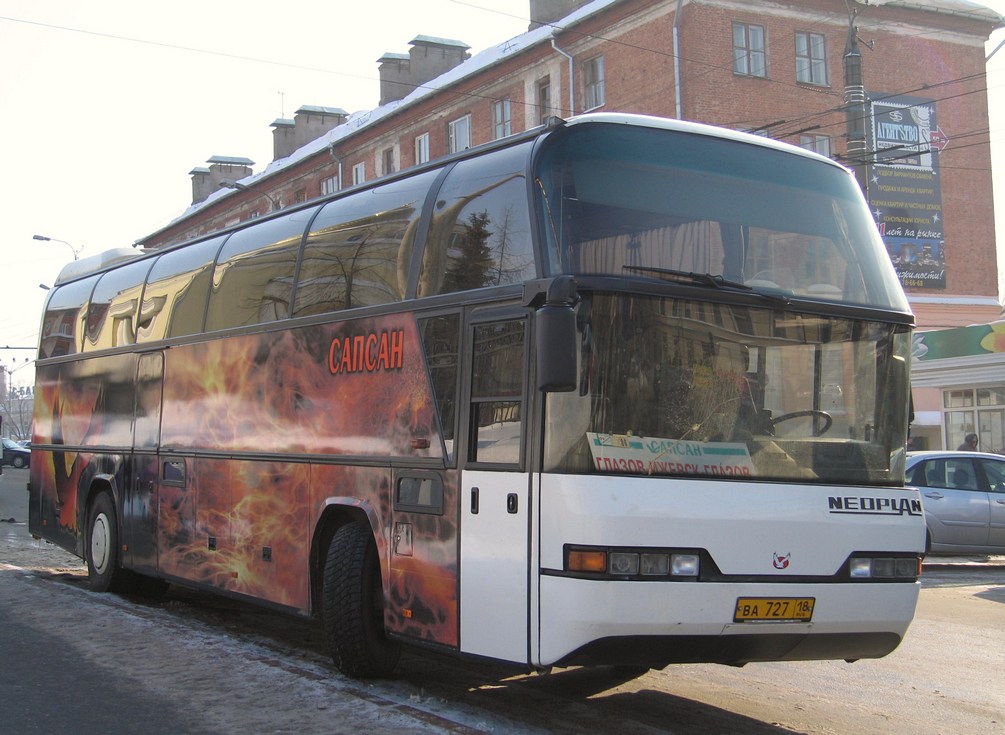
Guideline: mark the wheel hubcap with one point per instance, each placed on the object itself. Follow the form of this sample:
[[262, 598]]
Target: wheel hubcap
[[100, 538]]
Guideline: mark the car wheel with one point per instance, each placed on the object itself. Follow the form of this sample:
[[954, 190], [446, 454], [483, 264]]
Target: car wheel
[[18, 462], [353, 605]]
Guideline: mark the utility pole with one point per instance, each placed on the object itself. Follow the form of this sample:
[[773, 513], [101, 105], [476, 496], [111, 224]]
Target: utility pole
[[855, 108]]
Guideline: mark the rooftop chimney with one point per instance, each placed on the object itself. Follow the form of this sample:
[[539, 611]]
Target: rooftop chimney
[[427, 59], [207, 180], [543, 12]]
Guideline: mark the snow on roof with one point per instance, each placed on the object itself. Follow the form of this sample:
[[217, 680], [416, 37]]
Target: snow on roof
[[231, 161], [438, 41], [322, 110], [975, 10]]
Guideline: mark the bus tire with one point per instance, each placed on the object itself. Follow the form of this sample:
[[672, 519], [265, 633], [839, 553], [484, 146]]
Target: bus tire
[[102, 549], [353, 605]]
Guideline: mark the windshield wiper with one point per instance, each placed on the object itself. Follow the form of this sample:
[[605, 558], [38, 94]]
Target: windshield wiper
[[703, 279]]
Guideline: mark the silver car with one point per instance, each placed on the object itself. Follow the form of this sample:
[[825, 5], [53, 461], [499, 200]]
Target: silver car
[[963, 494]]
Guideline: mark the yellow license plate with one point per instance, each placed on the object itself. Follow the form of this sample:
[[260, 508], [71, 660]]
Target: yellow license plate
[[773, 609]]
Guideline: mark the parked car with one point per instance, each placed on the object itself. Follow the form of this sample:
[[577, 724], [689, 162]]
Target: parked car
[[14, 454], [963, 494]]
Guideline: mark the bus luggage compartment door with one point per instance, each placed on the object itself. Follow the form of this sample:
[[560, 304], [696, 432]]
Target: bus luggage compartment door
[[494, 564]]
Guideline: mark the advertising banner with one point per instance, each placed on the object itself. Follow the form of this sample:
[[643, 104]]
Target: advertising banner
[[905, 193]]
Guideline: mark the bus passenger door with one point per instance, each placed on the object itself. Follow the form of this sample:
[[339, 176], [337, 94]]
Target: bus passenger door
[[495, 497], [140, 504]]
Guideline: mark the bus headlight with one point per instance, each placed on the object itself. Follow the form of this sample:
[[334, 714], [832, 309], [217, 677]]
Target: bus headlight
[[884, 567], [685, 565], [633, 563]]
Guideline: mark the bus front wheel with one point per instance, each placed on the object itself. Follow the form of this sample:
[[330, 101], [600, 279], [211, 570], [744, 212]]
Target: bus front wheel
[[103, 571], [353, 605]]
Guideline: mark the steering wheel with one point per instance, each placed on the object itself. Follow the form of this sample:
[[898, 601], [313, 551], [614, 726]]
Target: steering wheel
[[815, 413]]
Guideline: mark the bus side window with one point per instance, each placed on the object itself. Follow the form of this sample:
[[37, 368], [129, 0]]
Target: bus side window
[[253, 278], [64, 318], [480, 232], [174, 301], [112, 313], [359, 250]]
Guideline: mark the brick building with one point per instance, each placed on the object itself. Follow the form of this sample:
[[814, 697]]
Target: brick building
[[776, 68]]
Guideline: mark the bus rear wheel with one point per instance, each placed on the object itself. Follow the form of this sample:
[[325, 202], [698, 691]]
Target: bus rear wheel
[[353, 605], [102, 550]]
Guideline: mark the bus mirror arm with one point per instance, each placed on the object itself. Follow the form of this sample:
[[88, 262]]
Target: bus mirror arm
[[555, 334]]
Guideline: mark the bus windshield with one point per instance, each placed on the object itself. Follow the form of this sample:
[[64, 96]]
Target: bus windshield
[[670, 386], [622, 200]]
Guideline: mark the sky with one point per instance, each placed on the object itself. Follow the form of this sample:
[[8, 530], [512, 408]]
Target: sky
[[106, 105]]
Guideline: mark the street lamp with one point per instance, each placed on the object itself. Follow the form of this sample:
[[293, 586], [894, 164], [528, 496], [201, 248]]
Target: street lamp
[[76, 251], [227, 184]]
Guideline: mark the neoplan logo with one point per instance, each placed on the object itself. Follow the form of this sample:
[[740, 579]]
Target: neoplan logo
[[874, 506]]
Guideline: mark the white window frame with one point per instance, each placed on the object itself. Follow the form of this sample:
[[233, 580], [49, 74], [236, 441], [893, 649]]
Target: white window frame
[[811, 58], [387, 162], [502, 121], [593, 82], [329, 185], [422, 148], [542, 93], [459, 134], [750, 50], [358, 173]]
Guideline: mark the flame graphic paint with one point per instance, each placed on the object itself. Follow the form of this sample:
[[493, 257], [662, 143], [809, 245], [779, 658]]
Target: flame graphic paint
[[245, 524]]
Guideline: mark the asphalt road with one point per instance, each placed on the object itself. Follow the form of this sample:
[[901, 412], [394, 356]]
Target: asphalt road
[[77, 661]]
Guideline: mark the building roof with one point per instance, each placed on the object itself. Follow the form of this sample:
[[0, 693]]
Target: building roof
[[231, 161], [316, 109], [438, 41], [975, 10]]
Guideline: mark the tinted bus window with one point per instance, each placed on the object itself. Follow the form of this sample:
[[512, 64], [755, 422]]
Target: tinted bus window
[[111, 315], [360, 247], [63, 322], [440, 339], [174, 302], [480, 234], [253, 279]]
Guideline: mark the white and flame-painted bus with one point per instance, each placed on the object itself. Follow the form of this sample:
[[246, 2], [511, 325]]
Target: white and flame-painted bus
[[616, 390]]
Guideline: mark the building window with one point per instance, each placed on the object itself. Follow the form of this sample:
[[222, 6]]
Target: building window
[[459, 134], [544, 98], [817, 143], [329, 185], [978, 411], [749, 56], [811, 58], [387, 160], [593, 80], [300, 195], [422, 148], [501, 119], [359, 173]]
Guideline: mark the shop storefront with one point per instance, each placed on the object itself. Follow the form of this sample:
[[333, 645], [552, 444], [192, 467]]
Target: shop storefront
[[958, 381]]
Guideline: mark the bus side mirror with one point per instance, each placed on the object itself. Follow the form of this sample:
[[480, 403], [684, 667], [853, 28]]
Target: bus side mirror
[[555, 338]]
